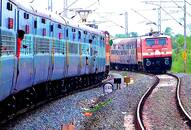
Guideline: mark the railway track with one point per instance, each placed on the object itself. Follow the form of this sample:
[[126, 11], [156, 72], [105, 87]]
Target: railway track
[[39, 104], [161, 107]]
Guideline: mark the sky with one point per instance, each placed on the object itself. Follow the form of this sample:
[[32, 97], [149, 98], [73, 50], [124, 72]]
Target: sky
[[109, 14]]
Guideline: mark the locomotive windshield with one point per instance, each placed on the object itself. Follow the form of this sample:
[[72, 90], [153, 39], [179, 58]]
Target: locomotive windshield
[[162, 41], [150, 42]]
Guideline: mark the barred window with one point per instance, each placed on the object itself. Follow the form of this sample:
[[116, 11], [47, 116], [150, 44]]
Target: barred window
[[85, 49], [41, 45], [73, 48], [27, 41], [7, 43]]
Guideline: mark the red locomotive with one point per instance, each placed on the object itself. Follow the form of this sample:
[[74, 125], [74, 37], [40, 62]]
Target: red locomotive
[[151, 53]]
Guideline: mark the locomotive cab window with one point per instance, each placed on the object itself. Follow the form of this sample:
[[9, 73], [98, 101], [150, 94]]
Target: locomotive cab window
[[162, 41], [150, 42]]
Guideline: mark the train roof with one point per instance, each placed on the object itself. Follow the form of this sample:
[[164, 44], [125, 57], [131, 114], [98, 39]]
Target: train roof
[[124, 40], [28, 7], [155, 36]]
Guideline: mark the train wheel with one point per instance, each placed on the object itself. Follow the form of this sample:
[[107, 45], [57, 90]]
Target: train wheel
[[57, 88], [63, 87], [69, 85], [29, 97], [49, 90], [87, 81], [77, 82], [80, 82], [11, 107]]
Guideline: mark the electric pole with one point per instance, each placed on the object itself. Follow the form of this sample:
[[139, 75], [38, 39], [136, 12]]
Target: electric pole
[[126, 23], [160, 9], [185, 47], [159, 18], [50, 5], [65, 8]]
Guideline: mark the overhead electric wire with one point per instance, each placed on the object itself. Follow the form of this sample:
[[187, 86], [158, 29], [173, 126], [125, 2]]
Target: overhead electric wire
[[180, 7], [67, 8], [166, 13], [72, 4], [144, 17], [109, 20], [188, 3], [91, 5], [172, 16]]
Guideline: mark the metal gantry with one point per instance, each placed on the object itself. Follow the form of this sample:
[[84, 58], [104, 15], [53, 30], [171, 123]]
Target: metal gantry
[[50, 5], [126, 23]]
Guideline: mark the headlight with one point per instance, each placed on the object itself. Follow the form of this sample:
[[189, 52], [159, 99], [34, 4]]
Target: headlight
[[166, 62], [148, 63]]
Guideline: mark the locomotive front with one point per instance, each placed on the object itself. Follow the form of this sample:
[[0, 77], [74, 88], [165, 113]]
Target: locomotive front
[[157, 53]]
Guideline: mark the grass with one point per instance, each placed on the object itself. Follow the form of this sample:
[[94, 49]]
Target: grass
[[178, 62]]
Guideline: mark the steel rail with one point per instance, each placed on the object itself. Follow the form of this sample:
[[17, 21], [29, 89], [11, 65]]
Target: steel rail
[[179, 102], [139, 121]]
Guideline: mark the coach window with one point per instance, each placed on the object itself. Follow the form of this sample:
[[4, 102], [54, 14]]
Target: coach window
[[162, 41], [90, 40], [51, 28], [35, 24], [113, 47], [9, 6], [67, 33], [59, 26], [85, 35], [79, 35], [26, 15], [73, 33], [150, 42], [43, 21]]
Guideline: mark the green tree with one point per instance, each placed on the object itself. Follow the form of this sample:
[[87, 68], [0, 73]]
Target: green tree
[[168, 31], [133, 34], [121, 36]]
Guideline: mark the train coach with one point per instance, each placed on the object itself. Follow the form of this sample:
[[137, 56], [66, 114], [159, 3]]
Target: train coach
[[152, 53], [56, 56]]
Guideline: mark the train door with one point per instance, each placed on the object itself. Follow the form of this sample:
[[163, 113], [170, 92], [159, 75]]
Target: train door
[[52, 42], [76, 55], [25, 69], [88, 57], [8, 46], [42, 50], [94, 53], [80, 66], [83, 51], [73, 52], [58, 52]]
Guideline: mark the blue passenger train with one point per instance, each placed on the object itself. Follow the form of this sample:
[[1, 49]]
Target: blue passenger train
[[56, 56]]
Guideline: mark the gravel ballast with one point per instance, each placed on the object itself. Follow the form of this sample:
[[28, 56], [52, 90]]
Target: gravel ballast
[[160, 111], [117, 115], [185, 91]]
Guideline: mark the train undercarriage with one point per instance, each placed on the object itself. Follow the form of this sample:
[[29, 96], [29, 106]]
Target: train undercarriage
[[38, 94]]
